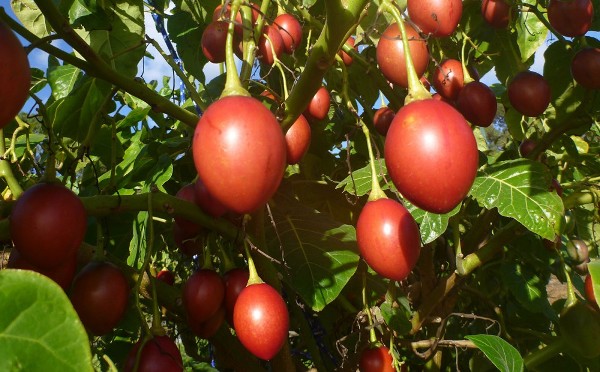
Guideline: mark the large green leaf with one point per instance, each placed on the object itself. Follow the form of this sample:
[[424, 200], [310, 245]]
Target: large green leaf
[[520, 189], [39, 329], [431, 225], [320, 252], [531, 32], [594, 269], [31, 17], [62, 78], [528, 289], [186, 33], [504, 356], [359, 182]]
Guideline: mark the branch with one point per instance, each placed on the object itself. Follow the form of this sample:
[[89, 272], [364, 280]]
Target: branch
[[98, 68]]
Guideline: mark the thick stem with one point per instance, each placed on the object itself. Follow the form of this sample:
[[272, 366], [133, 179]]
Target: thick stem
[[233, 85], [539, 356], [444, 287]]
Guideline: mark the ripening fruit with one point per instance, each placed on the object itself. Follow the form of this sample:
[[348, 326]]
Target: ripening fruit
[[477, 102], [376, 359], [297, 140], [213, 41], [318, 107], [388, 238], [448, 78], [571, 17], [496, 13], [290, 30], [529, 93], [47, 224], [436, 17], [202, 296], [585, 68], [158, 354], [15, 75], [239, 153], [382, 119]]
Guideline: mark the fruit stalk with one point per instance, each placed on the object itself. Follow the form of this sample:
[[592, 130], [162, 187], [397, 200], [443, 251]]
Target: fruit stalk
[[233, 85], [6, 171]]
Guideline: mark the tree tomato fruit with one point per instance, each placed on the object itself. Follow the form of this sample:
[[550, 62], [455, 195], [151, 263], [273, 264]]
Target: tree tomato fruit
[[376, 359], [202, 296], [235, 281], [382, 119], [209, 328], [290, 30], [388, 238], [239, 153], [436, 17], [529, 93], [571, 17], [497, 13], [431, 155], [297, 140], [585, 68], [15, 76], [166, 276], [346, 58], [206, 202], [448, 78], [159, 354], [589, 291], [187, 193], [578, 251], [390, 54], [188, 244], [266, 47], [261, 320], [477, 102], [47, 224], [62, 274], [99, 295], [318, 107], [213, 41], [526, 147]]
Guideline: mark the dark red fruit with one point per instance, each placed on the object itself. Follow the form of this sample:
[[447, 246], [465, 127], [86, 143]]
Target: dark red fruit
[[297, 140], [206, 202], [235, 281], [497, 13], [318, 108], [448, 79], [225, 15], [390, 54], [346, 58], [526, 147], [99, 295], [188, 244], [62, 274], [555, 186], [159, 354], [376, 359], [431, 155], [210, 327], [166, 276], [585, 68], [202, 296], [261, 320], [266, 48], [388, 238], [189, 228], [47, 224], [436, 17], [529, 93], [290, 30], [477, 102], [213, 41], [589, 291], [239, 153], [383, 119], [571, 17], [15, 75]]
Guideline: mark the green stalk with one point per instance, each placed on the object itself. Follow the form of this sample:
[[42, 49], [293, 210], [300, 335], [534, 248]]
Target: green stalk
[[233, 85], [372, 335], [254, 278], [548, 352], [466, 76], [376, 191], [416, 90], [6, 171]]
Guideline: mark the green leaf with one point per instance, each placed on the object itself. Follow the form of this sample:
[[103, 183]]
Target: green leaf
[[504, 356], [62, 79], [531, 32], [396, 318], [31, 17], [520, 190], [320, 252], [431, 225], [39, 329], [359, 183], [528, 288], [186, 34], [594, 270], [138, 243]]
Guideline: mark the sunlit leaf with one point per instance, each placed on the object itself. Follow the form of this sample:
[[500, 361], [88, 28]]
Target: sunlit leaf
[[504, 356]]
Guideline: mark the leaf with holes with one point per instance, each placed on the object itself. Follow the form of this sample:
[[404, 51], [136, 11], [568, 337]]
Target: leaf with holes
[[520, 190], [321, 253], [504, 356]]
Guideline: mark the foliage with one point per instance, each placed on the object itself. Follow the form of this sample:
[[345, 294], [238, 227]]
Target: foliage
[[485, 282]]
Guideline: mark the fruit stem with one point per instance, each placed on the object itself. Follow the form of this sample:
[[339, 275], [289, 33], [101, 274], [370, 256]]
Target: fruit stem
[[277, 63], [6, 171], [376, 191], [539, 356], [416, 90], [233, 85], [372, 335], [226, 261], [454, 222], [253, 278], [466, 76], [571, 297], [157, 328], [207, 258], [99, 251]]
